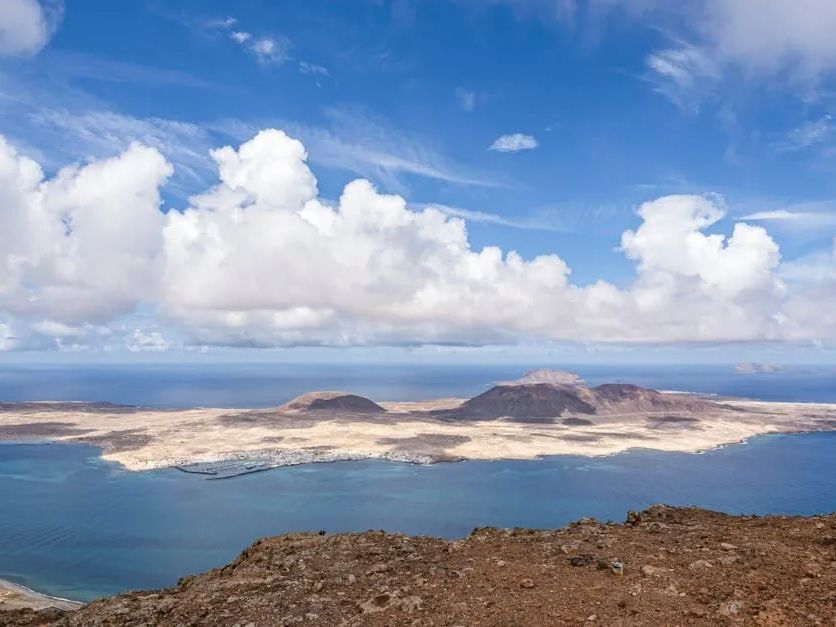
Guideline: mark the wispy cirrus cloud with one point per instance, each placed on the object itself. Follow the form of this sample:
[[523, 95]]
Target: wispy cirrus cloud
[[809, 134], [683, 73], [466, 99], [74, 65], [313, 69], [369, 147], [269, 49], [540, 222], [758, 42], [799, 216]]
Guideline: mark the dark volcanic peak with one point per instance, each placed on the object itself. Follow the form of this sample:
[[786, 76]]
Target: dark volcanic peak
[[632, 398], [334, 401], [537, 400], [550, 400], [623, 391]]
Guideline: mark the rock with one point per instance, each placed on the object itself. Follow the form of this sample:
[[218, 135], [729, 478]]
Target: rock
[[730, 608], [584, 559], [376, 604], [700, 565], [812, 570], [537, 585], [728, 546], [377, 568], [570, 546], [411, 603], [654, 571]]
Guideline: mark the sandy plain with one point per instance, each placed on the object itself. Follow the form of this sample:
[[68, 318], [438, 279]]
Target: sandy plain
[[205, 439]]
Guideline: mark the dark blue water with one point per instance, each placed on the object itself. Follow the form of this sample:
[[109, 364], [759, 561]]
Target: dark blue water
[[75, 526], [264, 385]]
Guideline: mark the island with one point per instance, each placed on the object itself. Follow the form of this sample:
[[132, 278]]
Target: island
[[544, 413]]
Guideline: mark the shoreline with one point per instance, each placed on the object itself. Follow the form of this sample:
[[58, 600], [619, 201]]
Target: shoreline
[[328, 427], [17, 596], [218, 471]]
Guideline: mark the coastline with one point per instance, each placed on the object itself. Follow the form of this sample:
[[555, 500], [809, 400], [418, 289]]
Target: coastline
[[15, 596], [222, 443], [240, 464]]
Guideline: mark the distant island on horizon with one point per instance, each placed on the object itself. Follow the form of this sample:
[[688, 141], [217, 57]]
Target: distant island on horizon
[[546, 412]]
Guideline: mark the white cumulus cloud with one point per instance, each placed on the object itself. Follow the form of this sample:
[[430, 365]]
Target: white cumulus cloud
[[26, 26], [259, 259], [84, 245]]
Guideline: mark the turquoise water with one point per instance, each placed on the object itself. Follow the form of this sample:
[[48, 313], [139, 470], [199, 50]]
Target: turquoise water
[[75, 526]]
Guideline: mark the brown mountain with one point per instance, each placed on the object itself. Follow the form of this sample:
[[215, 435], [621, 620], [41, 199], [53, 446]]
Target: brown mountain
[[627, 398], [550, 400], [536, 400], [333, 401]]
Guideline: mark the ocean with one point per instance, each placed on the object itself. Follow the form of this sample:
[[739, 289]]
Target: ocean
[[76, 526], [266, 385]]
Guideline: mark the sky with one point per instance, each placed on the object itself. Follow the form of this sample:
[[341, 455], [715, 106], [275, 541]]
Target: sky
[[601, 180]]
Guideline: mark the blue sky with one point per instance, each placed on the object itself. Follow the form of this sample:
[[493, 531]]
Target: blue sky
[[612, 104]]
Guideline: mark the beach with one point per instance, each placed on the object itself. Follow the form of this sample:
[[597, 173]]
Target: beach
[[15, 596]]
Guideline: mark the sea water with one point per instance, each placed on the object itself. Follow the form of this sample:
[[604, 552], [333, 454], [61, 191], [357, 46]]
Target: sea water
[[267, 384], [76, 526]]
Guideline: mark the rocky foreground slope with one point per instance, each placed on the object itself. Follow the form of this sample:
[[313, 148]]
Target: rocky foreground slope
[[664, 566]]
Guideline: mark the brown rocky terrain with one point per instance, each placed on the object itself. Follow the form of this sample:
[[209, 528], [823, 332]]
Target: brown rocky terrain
[[664, 566], [550, 400], [333, 401]]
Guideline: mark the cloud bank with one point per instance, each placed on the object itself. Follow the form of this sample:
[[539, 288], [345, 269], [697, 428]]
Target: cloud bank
[[259, 259]]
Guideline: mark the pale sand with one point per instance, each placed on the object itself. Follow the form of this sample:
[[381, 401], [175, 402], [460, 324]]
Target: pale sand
[[141, 439], [14, 597]]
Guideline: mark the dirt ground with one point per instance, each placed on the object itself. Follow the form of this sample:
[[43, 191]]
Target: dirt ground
[[664, 566]]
